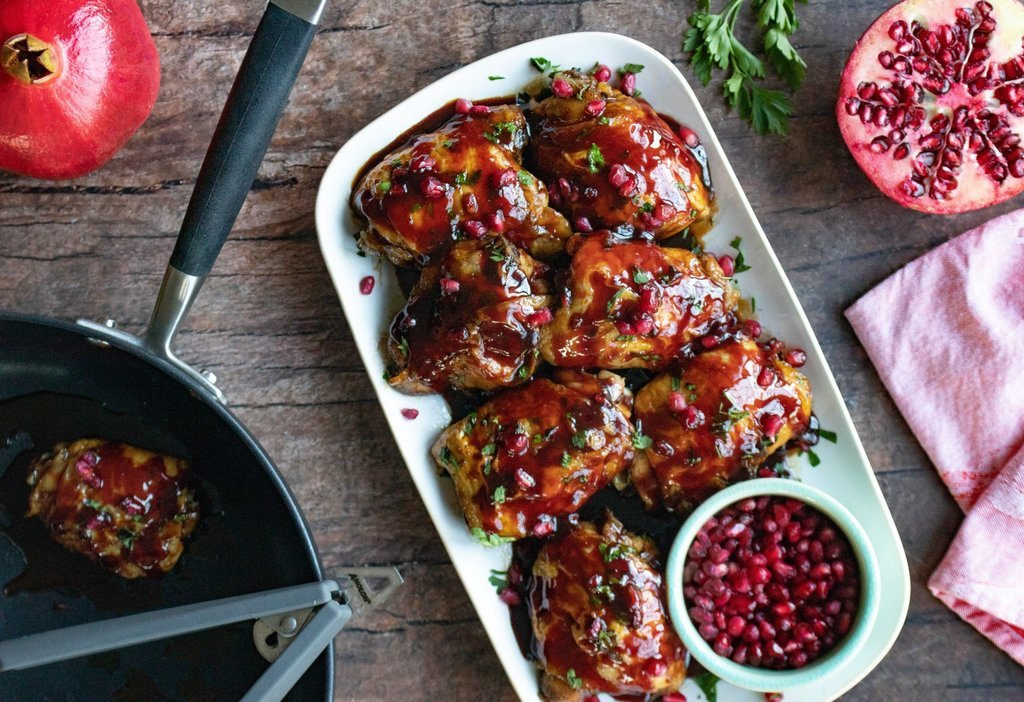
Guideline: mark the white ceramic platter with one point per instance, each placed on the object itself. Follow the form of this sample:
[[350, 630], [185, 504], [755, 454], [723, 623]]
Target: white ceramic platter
[[844, 471]]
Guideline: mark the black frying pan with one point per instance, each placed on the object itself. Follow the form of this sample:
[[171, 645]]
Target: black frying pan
[[61, 381]]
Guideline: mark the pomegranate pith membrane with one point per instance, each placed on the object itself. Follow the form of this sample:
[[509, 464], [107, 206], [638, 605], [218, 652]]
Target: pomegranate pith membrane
[[771, 582]]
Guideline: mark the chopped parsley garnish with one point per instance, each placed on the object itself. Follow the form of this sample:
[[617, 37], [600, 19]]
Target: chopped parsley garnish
[[641, 276], [603, 120], [737, 413], [460, 178], [403, 346], [566, 459], [523, 373], [740, 265], [615, 298], [486, 539], [384, 186], [570, 675], [579, 439], [647, 207], [708, 683], [753, 305], [493, 138], [595, 159], [538, 438], [489, 449], [495, 77], [447, 143], [692, 389], [498, 579], [543, 65], [828, 435], [812, 457], [524, 178], [126, 538], [625, 338], [95, 504], [640, 440], [446, 457], [499, 495], [500, 127], [633, 68], [470, 423], [611, 553], [693, 459], [676, 383]]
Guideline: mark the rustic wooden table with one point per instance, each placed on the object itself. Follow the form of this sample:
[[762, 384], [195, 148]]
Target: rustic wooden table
[[269, 325]]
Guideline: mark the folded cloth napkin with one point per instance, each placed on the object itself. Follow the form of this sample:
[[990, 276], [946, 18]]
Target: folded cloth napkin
[[946, 334]]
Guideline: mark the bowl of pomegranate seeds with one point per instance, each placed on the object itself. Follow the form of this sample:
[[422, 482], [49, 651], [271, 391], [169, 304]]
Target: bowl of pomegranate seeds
[[772, 584]]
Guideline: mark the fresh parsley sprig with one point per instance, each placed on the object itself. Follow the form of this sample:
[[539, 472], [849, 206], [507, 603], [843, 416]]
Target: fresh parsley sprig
[[711, 43]]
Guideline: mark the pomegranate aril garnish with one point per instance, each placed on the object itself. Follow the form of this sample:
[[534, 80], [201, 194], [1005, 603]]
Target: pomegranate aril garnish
[[463, 106], [561, 87], [366, 285], [410, 413], [779, 601], [602, 73], [728, 265]]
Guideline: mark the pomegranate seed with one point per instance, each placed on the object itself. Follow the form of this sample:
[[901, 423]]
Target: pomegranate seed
[[795, 357], [463, 106], [561, 88], [655, 667], [517, 444], [689, 137], [665, 211], [495, 221], [510, 597], [539, 318], [474, 228], [595, 108], [432, 188], [410, 413], [709, 341], [753, 328], [449, 285], [648, 299], [504, 177], [583, 225], [524, 480], [366, 285], [644, 326], [628, 83], [479, 110], [676, 402], [422, 164], [766, 377], [618, 175], [693, 417], [602, 73], [728, 265], [543, 528], [469, 204], [736, 626], [771, 424]]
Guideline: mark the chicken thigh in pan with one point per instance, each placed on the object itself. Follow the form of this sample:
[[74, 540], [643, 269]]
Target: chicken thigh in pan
[[634, 304], [128, 508], [716, 421], [471, 320], [460, 181], [600, 623], [537, 452], [610, 160]]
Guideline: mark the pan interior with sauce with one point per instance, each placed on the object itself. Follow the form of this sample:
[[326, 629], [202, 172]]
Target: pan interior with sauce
[[56, 385]]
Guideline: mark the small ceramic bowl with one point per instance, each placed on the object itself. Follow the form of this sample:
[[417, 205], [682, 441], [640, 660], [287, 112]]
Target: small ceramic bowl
[[764, 679]]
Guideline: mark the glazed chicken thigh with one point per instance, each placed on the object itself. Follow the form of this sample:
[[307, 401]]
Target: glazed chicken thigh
[[461, 181], [471, 320], [719, 419], [538, 452], [634, 304], [597, 607], [610, 160], [128, 508]]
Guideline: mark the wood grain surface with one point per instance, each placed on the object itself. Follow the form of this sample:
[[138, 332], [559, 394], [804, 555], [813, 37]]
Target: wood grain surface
[[269, 325]]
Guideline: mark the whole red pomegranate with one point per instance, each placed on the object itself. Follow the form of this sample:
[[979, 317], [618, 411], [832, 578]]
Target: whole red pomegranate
[[931, 103], [78, 78]]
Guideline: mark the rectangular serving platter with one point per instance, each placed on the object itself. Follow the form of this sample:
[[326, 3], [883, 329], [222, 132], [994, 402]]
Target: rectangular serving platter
[[844, 471]]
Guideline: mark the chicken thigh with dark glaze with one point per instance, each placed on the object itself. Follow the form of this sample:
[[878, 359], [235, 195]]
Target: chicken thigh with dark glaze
[[600, 623], [460, 181], [471, 320], [728, 410], [634, 304], [538, 452], [610, 160], [128, 508]]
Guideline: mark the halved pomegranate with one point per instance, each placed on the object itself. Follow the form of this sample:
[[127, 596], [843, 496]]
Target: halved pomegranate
[[931, 103]]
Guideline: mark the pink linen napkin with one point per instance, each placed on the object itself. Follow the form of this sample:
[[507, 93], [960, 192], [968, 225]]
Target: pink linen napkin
[[946, 334]]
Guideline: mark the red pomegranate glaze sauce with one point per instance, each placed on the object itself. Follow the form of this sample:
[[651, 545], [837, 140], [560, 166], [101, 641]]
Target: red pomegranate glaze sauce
[[771, 582]]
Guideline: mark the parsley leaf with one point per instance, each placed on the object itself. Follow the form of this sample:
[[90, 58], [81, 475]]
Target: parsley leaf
[[543, 65], [498, 580], [813, 458], [633, 68], [384, 187], [574, 680], [640, 276], [485, 539], [711, 43], [495, 77], [828, 435], [524, 178], [499, 495], [708, 683], [595, 159], [740, 264], [641, 441]]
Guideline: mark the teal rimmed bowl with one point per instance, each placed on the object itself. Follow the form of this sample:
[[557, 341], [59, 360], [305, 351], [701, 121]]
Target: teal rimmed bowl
[[764, 679]]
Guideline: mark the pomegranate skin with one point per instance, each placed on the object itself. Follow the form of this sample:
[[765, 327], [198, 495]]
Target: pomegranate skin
[[960, 61], [104, 87]]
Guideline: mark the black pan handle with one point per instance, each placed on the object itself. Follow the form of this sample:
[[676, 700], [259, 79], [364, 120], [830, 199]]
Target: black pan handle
[[246, 126]]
